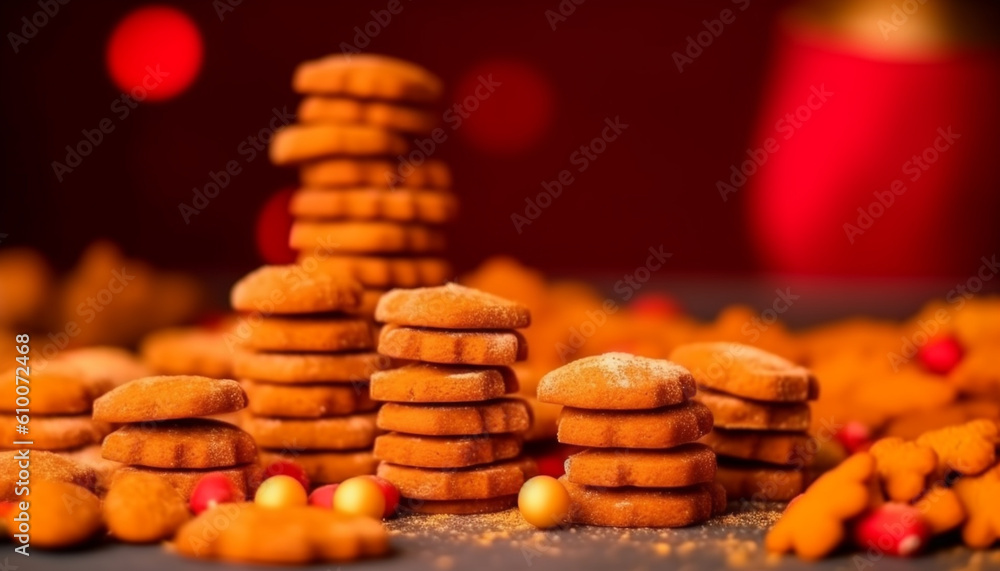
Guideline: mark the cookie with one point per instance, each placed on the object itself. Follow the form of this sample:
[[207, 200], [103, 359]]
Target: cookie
[[784, 448], [760, 482], [746, 372], [424, 382], [144, 508], [188, 351], [452, 347], [445, 452], [379, 173], [370, 237], [490, 417], [187, 443], [169, 397], [366, 309], [57, 389], [341, 110], [47, 466], [980, 495], [968, 448], [61, 514], [245, 479], [106, 363], [327, 467], [53, 432], [306, 334], [308, 368], [299, 143], [941, 509], [617, 381], [630, 507], [476, 483], [738, 413], [677, 467], [381, 271], [89, 458], [398, 205], [654, 428], [451, 306], [292, 289], [904, 467], [334, 433], [367, 76], [307, 400], [457, 507]]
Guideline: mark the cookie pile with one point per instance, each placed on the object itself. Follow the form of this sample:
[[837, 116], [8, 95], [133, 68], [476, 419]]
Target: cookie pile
[[642, 466], [372, 200], [305, 366], [762, 416], [164, 435], [455, 441]]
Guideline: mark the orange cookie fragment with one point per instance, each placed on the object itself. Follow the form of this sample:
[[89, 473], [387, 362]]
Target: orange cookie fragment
[[654, 428], [760, 482], [283, 334], [381, 173], [980, 495], [746, 371], [292, 289], [630, 507], [307, 400], [333, 433], [364, 237], [367, 76], [424, 382], [186, 443], [54, 432], [453, 347], [339, 110], [445, 452], [968, 449], [676, 467], [490, 417], [476, 483], [170, 397], [56, 389], [617, 381], [451, 306], [782, 448], [188, 351], [299, 143], [904, 467], [737, 413], [399, 205], [61, 514], [143, 508], [941, 509], [47, 466], [308, 368], [381, 271]]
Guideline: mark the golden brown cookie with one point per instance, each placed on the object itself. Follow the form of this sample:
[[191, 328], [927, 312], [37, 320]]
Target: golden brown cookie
[[143, 508], [654, 428], [47, 466], [451, 306], [367, 76], [245, 479], [307, 400], [490, 417], [56, 389], [746, 371], [968, 448], [53, 432], [341, 110], [300, 143], [784, 448], [980, 496], [61, 515], [293, 289], [381, 271], [424, 382], [169, 397], [399, 205], [90, 459], [617, 381], [104, 362], [187, 443], [309, 334], [333, 433], [445, 452], [760, 482], [188, 351], [904, 467], [684, 465], [452, 347], [364, 237], [738, 413], [630, 507], [308, 368], [475, 483], [457, 507], [379, 173], [327, 467]]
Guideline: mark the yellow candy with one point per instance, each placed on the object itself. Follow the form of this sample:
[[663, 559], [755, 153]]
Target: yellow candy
[[281, 491], [359, 496], [544, 502]]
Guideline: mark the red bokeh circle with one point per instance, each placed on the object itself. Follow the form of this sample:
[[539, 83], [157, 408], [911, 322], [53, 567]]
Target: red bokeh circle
[[274, 223]]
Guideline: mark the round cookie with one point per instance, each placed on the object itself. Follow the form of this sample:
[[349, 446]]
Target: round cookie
[[480, 482], [169, 397], [746, 371], [655, 428], [490, 417], [53, 432], [380, 271], [306, 334], [379, 173], [308, 368], [144, 508], [445, 452], [61, 514], [452, 347], [188, 443], [371, 237], [367, 76], [57, 389], [676, 467], [188, 351], [340, 110], [47, 466], [307, 400], [784, 448], [457, 507], [737, 413], [299, 143], [399, 205], [293, 289], [760, 482], [630, 507], [245, 479], [425, 382], [327, 467], [451, 306], [617, 381], [334, 433]]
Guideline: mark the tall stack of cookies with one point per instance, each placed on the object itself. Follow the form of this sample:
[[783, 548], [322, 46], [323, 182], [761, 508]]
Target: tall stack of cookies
[[455, 440], [164, 435], [305, 364], [642, 466], [761, 409]]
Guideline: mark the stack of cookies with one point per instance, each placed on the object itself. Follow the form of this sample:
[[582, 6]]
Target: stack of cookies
[[642, 467], [305, 366], [163, 434], [455, 441], [762, 416]]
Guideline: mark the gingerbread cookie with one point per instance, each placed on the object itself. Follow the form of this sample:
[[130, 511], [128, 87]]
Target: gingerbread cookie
[[476, 483], [371, 237], [458, 507], [760, 482], [167, 398], [308, 368], [968, 449], [57, 389], [306, 334], [327, 467], [737, 413], [333, 433], [53, 432], [445, 452], [367, 76], [89, 458], [782, 448], [676, 467], [245, 479], [904, 467], [144, 508], [490, 417], [380, 271], [379, 173], [340, 110], [300, 143], [47, 466], [424, 382], [617, 381], [451, 306], [292, 289], [452, 347], [307, 400], [188, 351], [630, 507], [941, 509], [747, 372], [654, 428], [980, 495], [399, 205], [186, 443], [61, 514]]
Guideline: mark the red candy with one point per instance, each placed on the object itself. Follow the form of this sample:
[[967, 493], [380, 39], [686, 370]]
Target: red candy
[[287, 468], [892, 529], [211, 489], [941, 355], [390, 492], [322, 497], [855, 437]]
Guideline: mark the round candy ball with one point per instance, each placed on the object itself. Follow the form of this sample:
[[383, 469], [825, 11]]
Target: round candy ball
[[212, 489], [281, 491], [390, 492], [544, 502], [322, 497], [359, 496]]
